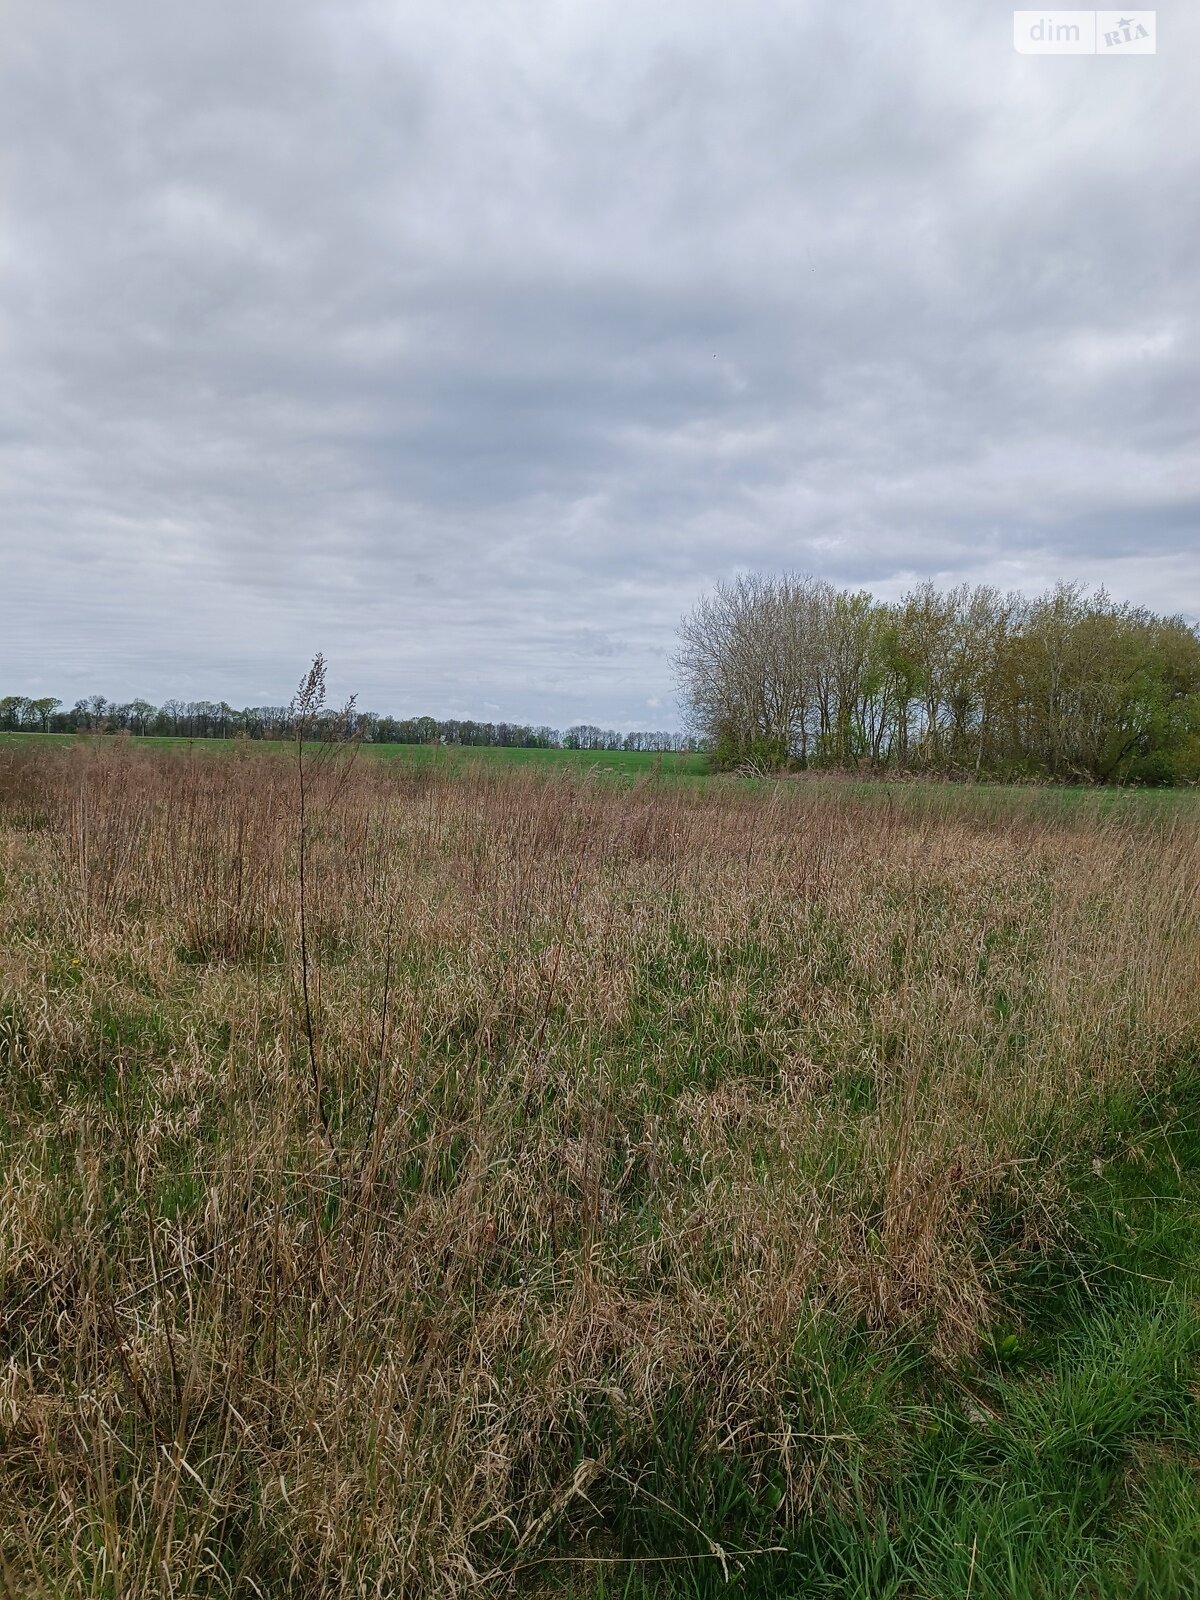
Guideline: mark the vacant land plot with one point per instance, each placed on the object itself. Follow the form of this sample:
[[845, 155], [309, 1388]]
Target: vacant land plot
[[499, 1180], [628, 763]]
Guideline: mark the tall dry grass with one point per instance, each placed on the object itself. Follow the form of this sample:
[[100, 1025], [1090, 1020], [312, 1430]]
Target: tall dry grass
[[603, 1107]]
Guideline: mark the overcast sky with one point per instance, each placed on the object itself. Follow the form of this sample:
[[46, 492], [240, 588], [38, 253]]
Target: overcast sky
[[470, 342]]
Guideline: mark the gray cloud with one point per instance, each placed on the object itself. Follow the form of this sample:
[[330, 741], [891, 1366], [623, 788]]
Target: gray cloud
[[469, 344]]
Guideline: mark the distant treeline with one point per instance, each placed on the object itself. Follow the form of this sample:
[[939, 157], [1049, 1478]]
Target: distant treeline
[[788, 671], [211, 719]]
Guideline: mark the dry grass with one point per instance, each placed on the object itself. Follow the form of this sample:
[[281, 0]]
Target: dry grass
[[615, 1100]]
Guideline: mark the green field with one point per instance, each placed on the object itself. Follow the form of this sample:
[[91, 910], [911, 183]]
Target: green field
[[630, 763], [929, 796]]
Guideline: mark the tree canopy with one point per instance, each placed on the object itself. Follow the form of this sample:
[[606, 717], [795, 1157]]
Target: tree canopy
[[1067, 685], [211, 719]]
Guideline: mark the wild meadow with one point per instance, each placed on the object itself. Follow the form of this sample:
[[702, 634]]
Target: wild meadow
[[445, 1180]]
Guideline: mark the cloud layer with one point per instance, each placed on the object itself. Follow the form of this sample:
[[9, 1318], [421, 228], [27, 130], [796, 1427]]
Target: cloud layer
[[470, 343]]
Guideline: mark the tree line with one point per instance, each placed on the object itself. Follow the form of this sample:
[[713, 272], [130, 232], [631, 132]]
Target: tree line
[[212, 719], [1067, 685]]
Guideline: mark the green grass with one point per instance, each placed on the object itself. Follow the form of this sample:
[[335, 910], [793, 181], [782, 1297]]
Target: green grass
[[1064, 1461], [986, 802], [1053, 802], [627, 763]]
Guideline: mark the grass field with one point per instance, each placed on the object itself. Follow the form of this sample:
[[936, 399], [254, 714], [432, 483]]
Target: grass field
[[626, 763], [481, 1177], [989, 799]]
